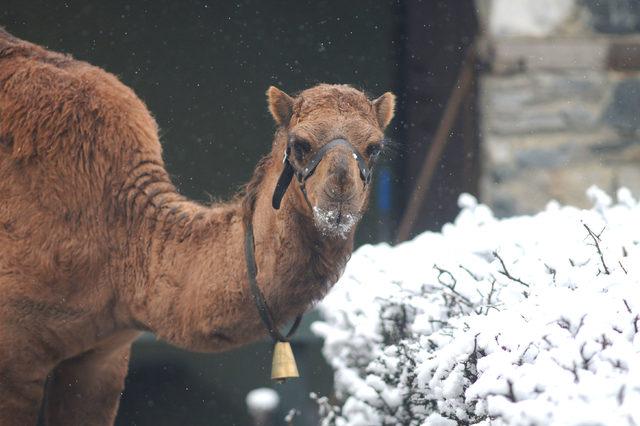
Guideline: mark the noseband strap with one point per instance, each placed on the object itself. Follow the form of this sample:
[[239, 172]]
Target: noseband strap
[[302, 175]]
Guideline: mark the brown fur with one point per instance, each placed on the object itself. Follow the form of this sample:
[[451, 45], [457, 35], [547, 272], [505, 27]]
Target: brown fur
[[97, 245]]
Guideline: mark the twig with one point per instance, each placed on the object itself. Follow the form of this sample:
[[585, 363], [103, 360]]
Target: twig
[[468, 271], [551, 271], [452, 287], [443, 272], [490, 296], [604, 342], [506, 273], [586, 361], [510, 394], [623, 268], [620, 395], [573, 370], [596, 243], [566, 324]]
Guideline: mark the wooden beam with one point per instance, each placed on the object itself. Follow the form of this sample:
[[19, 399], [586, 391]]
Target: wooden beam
[[440, 140]]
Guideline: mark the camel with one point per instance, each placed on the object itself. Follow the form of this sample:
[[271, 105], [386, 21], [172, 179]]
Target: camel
[[97, 246]]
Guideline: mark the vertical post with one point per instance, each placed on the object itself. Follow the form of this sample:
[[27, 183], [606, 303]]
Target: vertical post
[[440, 140]]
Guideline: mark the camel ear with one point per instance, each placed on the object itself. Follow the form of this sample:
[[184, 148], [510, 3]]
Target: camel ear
[[280, 105], [384, 107]]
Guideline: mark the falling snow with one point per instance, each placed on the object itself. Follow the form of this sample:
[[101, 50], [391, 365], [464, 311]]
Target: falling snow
[[262, 400]]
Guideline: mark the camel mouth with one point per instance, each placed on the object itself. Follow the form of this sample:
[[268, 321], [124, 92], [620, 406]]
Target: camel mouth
[[336, 222]]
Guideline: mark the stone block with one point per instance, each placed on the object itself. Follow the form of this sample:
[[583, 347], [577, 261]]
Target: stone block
[[553, 131], [614, 16], [524, 55], [534, 188], [622, 113], [624, 55], [543, 102]]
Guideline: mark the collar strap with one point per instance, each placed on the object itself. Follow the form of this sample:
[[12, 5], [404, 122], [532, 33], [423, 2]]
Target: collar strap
[[258, 297], [302, 175]]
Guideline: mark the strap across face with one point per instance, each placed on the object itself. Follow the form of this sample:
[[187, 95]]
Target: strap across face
[[283, 183], [310, 167]]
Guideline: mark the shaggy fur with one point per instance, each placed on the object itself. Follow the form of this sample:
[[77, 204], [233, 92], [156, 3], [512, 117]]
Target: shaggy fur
[[97, 245]]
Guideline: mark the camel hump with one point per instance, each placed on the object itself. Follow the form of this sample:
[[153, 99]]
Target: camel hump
[[11, 45], [6, 37], [52, 105]]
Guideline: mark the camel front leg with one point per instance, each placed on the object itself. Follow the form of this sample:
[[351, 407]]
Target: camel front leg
[[86, 390], [20, 394], [23, 372]]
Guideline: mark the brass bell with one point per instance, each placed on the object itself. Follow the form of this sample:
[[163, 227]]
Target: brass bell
[[284, 365]]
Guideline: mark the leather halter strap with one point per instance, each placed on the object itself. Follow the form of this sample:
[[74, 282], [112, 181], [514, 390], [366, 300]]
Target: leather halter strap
[[302, 175], [258, 297]]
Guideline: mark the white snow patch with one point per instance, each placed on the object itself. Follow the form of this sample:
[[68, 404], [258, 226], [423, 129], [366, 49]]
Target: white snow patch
[[533, 18], [262, 400], [526, 320]]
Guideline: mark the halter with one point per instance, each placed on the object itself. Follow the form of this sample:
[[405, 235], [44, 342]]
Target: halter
[[302, 175], [281, 188]]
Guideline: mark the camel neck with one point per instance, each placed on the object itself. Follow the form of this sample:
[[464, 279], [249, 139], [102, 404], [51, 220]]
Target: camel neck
[[194, 291], [291, 250]]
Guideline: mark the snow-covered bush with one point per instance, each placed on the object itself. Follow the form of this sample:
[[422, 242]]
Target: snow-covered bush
[[523, 321]]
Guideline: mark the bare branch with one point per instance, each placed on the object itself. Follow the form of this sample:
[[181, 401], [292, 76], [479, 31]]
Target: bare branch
[[452, 287], [596, 242], [468, 271], [623, 268], [445, 272], [506, 272]]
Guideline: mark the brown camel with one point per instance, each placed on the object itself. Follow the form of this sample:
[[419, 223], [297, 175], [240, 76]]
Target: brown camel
[[97, 245]]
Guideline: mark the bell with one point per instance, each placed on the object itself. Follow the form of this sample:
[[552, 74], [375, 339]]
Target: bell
[[284, 365]]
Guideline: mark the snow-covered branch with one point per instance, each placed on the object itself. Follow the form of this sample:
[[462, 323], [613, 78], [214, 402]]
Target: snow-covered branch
[[517, 321]]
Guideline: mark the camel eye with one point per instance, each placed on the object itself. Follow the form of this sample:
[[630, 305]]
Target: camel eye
[[373, 150], [301, 148]]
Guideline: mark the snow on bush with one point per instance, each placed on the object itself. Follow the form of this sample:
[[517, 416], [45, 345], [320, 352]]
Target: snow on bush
[[529, 320]]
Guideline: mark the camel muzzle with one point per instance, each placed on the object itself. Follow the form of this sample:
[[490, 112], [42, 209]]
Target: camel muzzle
[[283, 365], [302, 175]]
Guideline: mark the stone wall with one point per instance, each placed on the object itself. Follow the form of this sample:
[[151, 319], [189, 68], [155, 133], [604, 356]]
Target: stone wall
[[561, 112]]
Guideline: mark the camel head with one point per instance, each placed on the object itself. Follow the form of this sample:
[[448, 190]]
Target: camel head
[[330, 137]]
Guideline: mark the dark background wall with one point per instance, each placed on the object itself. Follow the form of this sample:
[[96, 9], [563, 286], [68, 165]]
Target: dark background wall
[[434, 37], [203, 69]]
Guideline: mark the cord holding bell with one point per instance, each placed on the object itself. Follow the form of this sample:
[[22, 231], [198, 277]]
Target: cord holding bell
[[283, 364]]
